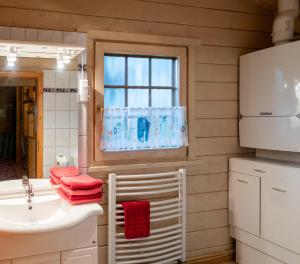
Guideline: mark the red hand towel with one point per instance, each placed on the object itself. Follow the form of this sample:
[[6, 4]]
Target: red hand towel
[[59, 172], [68, 191], [137, 219], [80, 199], [81, 182]]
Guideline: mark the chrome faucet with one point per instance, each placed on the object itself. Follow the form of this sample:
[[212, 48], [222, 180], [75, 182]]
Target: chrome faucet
[[28, 191]]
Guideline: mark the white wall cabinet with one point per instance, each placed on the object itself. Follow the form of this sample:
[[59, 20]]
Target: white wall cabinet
[[244, 202], [80, 256], [51, 258]]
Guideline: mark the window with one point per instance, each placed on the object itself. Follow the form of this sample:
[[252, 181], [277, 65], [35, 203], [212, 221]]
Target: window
[[142, 91], [140, 81]]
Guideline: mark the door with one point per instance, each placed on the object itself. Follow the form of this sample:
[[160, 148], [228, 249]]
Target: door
[[280, 213], [244, 202], [51, 258], [80, 256]]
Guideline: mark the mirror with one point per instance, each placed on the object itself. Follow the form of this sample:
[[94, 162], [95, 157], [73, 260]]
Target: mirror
[[38, 108]]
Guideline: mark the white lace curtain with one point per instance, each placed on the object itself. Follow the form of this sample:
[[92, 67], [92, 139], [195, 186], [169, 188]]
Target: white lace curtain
[[126, 128]]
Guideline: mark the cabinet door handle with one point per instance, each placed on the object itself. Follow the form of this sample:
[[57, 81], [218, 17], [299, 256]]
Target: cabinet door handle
[[257, 170], [279, 190], [242, 181]]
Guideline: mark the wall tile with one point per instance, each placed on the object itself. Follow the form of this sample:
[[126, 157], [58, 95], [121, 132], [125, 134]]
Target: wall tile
[[49, 138], [62, 79], [49, 78], [5, 33], [49, 36], [74, 137], [62, 101], [73, 101], [49, 119], [49, 101], [49, 156], [31, 34], [46, 171], [62, 119], [73, 119], [17, 34], [62, 138], [74, 79], [74, 156]]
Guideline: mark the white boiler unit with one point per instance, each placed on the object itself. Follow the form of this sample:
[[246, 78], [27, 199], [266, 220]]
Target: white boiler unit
[[270, 98]]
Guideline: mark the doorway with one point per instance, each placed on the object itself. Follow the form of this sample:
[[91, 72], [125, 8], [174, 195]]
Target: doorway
[[21, 125]]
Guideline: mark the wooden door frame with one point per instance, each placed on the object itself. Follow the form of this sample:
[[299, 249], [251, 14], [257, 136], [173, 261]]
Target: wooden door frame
[[38, 76]]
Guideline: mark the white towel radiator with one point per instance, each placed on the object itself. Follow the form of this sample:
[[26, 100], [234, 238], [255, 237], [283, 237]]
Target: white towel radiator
[[167, 195]]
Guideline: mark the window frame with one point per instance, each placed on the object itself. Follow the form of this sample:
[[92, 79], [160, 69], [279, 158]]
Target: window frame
[[149, 87], [153, 50]]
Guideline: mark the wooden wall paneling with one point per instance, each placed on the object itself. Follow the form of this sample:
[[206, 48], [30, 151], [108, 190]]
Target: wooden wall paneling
[[226, 29], [248, 6], [74, 22], [148, 11]]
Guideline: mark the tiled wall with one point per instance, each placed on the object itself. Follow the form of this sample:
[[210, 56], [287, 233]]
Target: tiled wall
[[60, 110]]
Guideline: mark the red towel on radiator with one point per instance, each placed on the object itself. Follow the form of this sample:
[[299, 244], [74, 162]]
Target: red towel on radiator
[[136, 219]]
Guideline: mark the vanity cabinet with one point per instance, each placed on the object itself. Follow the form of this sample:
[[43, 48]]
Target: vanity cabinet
[[51, 258], [244, 203], [80, 256]]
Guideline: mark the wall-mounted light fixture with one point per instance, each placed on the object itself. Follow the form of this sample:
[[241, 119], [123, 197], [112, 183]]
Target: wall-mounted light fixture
[[12, 55]]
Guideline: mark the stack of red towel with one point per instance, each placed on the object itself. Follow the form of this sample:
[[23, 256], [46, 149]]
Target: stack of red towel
[[75, 188], [56, 173], [81, 189]]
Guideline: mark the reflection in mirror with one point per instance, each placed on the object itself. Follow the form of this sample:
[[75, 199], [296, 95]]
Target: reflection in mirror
[[38, 109], [18, 140]]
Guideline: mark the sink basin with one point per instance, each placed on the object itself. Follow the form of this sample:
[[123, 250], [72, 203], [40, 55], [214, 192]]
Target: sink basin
[[14, 188], [49, 213]]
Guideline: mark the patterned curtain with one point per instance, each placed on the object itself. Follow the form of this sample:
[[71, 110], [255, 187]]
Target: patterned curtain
[[143, 128]]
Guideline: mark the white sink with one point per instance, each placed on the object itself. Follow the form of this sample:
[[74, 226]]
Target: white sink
[[49, 213], [14, 188]]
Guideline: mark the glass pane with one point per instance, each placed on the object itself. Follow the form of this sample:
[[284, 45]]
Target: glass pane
[[161, 97], [114, 97], [138, 71], [138, 97], [161, 72], [114, 70]]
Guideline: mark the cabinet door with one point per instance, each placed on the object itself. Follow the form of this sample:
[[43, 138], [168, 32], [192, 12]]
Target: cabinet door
[[248, 255], [51, 258], [244, 202], [5, 261], [80, 256], [280, 213]]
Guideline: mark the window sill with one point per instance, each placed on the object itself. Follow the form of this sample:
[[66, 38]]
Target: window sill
[[113, 168]]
